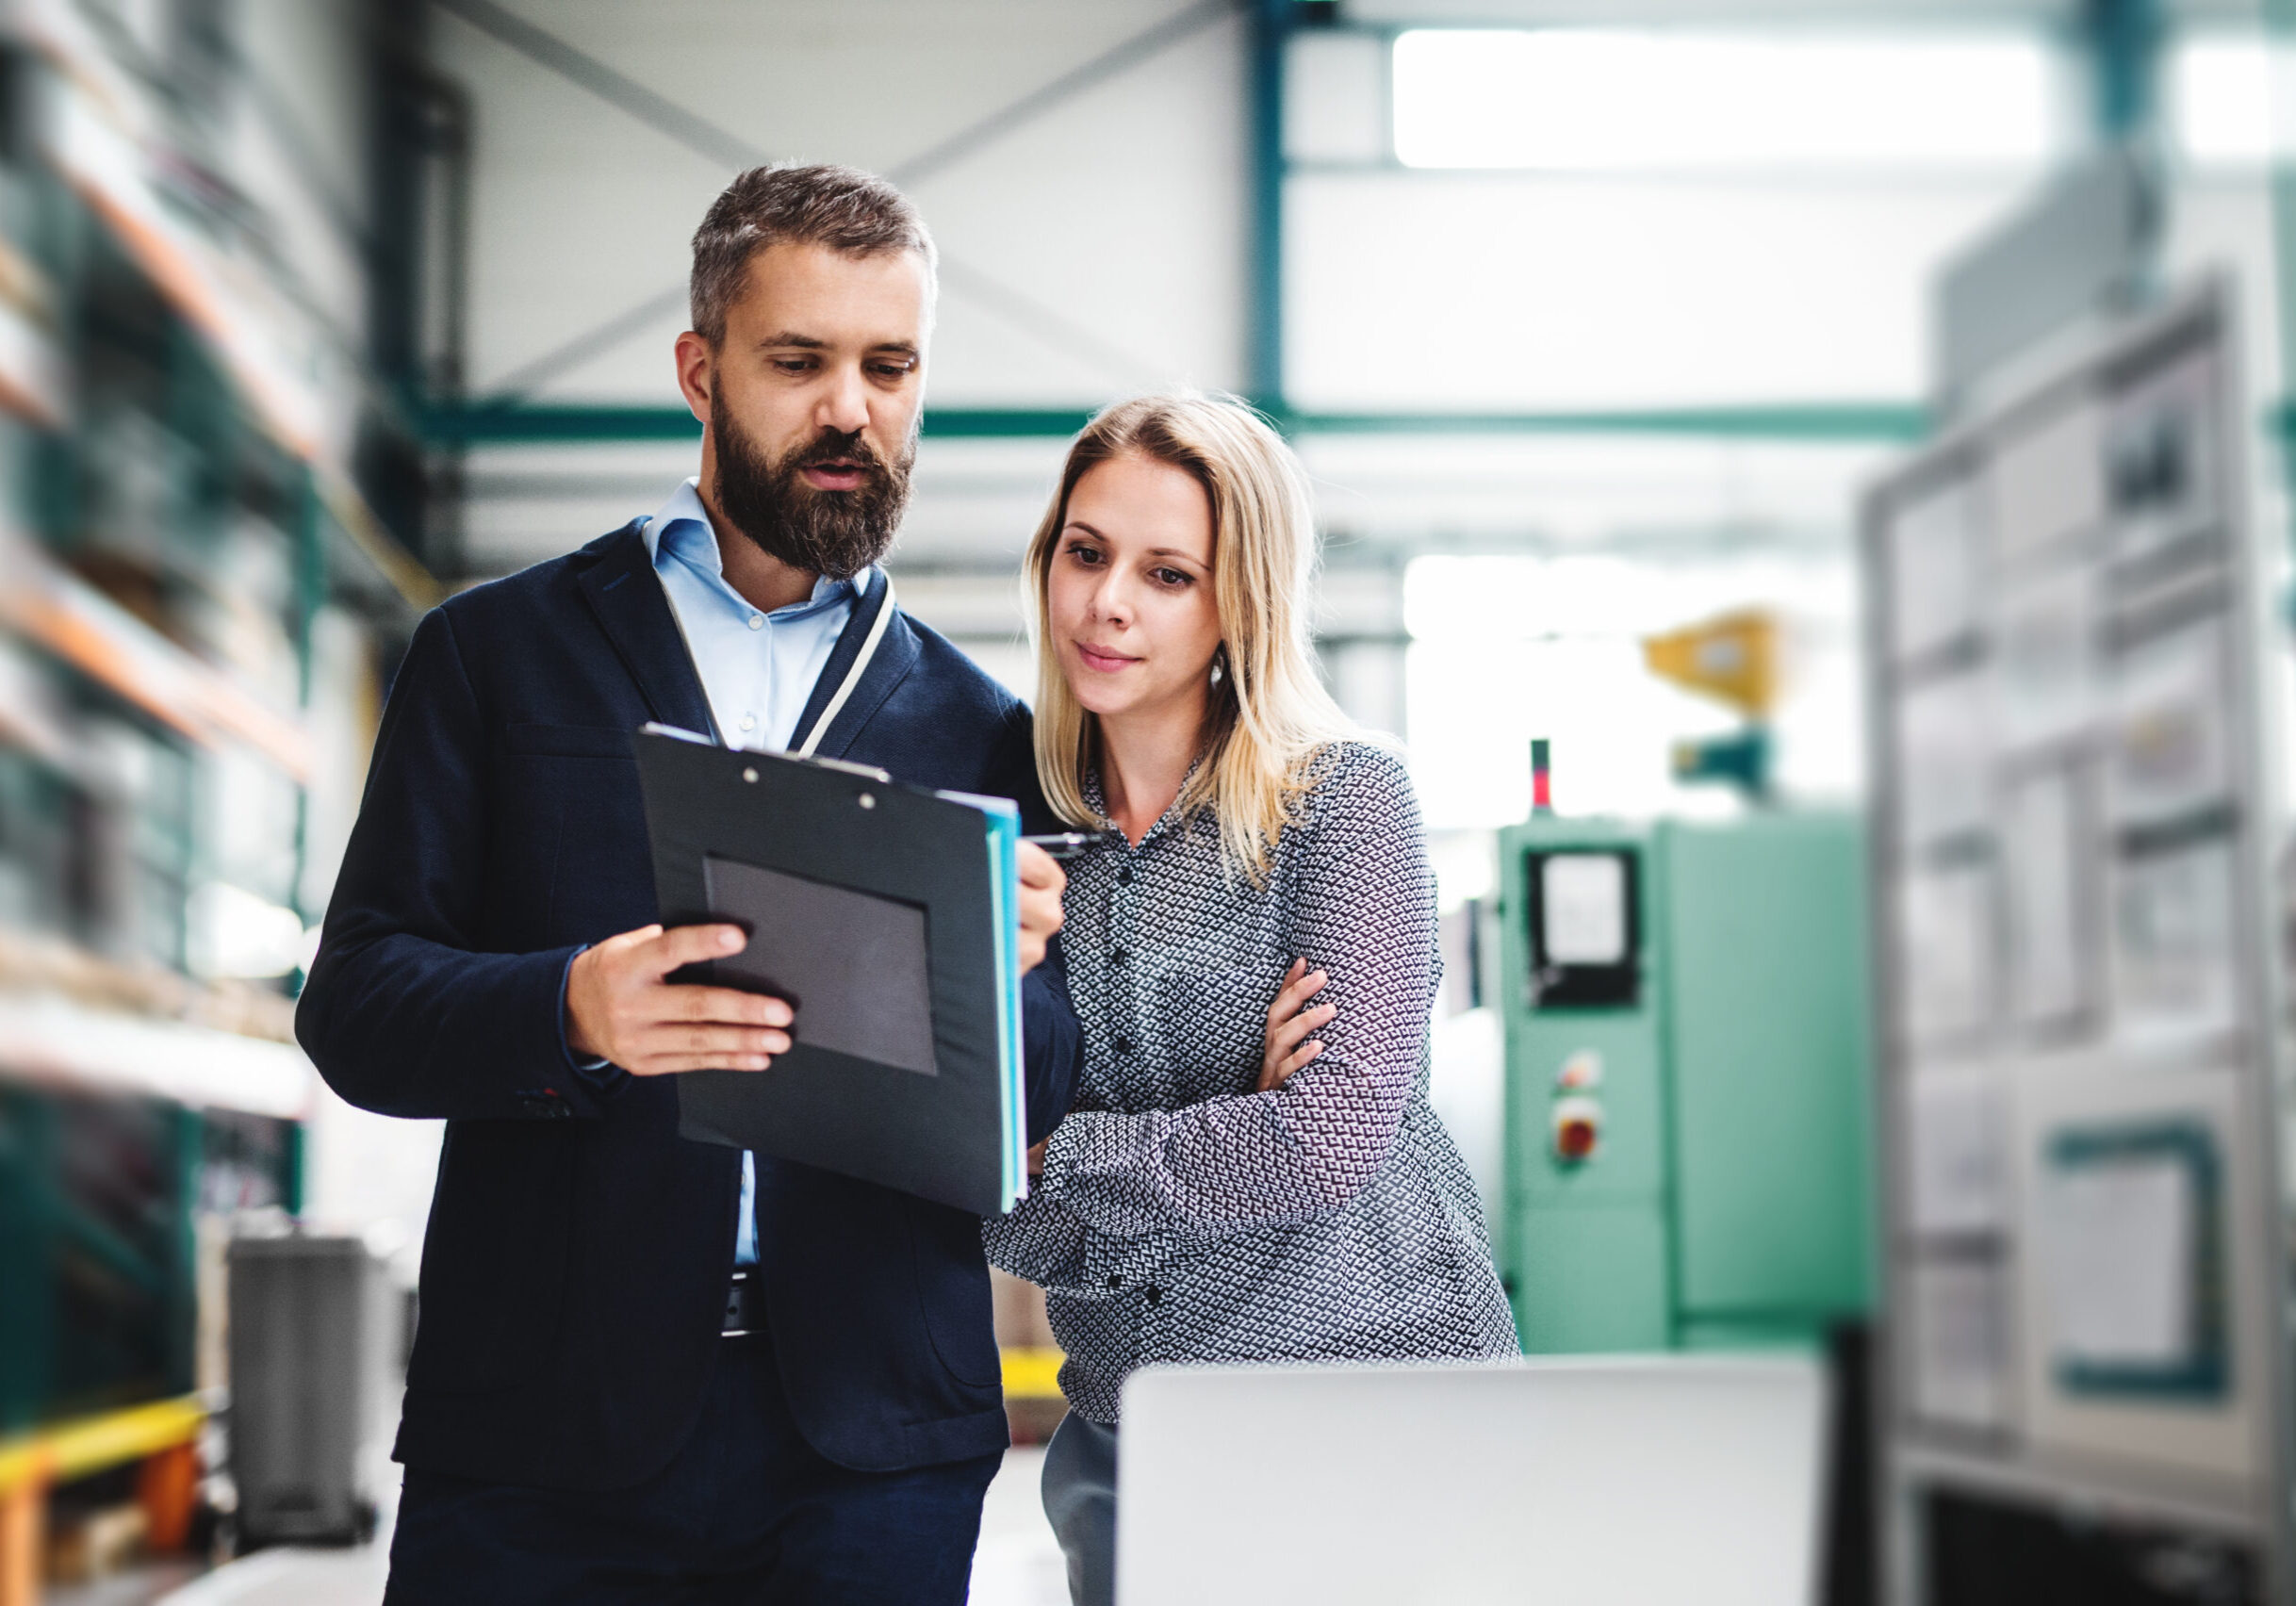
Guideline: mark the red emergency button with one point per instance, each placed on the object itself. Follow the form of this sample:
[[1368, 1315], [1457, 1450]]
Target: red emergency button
[[1578, 1129]]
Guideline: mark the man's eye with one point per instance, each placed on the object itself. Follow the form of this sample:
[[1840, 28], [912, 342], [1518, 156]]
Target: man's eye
[[793, 365], [894, 371]]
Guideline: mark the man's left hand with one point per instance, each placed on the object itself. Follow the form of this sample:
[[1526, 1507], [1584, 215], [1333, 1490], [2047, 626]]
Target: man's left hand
[[1042, 881]]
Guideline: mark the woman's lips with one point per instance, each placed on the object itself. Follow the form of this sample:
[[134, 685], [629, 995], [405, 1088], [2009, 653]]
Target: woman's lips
[[1106, 662]]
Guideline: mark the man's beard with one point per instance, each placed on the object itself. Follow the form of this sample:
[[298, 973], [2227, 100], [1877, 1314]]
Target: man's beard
[[837, 534]]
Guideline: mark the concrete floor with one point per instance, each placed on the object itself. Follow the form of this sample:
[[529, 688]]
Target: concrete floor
[[1017, 1564]]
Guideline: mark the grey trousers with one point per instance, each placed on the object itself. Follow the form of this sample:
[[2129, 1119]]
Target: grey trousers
[[1080, 1500]]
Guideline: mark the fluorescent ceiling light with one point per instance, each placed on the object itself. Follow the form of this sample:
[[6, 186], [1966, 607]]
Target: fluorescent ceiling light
[[1610, 100]]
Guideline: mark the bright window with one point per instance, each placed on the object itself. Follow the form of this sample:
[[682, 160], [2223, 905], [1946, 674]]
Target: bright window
[[2220, 91], [1608, 100], [1508, 648]]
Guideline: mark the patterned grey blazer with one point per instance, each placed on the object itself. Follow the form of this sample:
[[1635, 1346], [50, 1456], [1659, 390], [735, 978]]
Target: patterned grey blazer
[[1183, 1217]]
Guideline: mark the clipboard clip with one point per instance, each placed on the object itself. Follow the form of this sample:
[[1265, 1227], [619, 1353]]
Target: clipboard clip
[[867, 772]]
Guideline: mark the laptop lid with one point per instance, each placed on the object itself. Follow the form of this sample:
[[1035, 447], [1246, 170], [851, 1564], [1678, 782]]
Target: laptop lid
[[1596, 1481]]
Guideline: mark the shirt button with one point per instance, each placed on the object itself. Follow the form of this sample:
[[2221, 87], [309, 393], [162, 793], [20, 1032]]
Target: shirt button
[[1156, 1296], [749, 721], [1123, 877], [1117, 958], [757, 621], [1123, 1045], [1115, 1282]]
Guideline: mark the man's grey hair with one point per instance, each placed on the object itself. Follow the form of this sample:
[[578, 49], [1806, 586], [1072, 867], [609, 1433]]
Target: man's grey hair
[[841, 207]]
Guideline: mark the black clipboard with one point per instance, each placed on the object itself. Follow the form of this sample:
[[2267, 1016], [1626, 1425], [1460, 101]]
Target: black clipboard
[[886, 914]]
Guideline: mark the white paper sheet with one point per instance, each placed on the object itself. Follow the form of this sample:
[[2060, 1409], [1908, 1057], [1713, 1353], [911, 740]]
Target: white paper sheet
[[1946, 924], [1933, 570], [2049, 945], [1960, 1344], [2117, 1261], [2048, 483], [1957, 1122]]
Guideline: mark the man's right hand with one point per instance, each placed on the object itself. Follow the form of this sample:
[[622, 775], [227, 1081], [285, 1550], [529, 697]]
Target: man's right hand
[[621, 1008]]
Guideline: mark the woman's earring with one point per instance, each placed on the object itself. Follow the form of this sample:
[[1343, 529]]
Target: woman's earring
[[1219, 665]]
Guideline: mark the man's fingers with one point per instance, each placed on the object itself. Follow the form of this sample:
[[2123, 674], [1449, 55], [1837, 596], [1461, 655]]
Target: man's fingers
[[709, 1045], [1040, 869], [621, 940], [690, 945], [728, 1006], [671, 1064], [1041, 912]]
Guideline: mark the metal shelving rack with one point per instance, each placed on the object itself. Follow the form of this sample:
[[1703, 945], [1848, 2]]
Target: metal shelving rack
[[2082, 1033], [173, 479]]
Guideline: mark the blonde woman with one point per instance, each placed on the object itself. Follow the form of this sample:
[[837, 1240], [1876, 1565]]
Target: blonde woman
[[1252, 1171]]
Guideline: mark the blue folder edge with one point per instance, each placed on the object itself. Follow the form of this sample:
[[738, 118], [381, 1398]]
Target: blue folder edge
[[1004, 823]]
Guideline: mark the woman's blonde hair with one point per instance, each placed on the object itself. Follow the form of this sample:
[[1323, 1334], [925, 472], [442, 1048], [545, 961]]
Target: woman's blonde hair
[[1270, 715]]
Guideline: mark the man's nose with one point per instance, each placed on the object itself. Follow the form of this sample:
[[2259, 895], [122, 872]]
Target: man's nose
[[844, 403]]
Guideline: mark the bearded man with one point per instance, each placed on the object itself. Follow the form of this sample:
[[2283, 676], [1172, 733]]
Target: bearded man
[[649, 1369]]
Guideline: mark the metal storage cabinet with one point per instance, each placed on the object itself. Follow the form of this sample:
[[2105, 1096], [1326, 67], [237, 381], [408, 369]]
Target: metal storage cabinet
[[1726, 1198], [314, 1361]]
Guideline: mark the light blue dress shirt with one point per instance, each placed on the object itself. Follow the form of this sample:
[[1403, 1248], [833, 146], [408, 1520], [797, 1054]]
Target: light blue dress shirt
[[757, 670]]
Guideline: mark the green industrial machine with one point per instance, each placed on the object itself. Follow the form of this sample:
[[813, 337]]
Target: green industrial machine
[[1688, 1144]]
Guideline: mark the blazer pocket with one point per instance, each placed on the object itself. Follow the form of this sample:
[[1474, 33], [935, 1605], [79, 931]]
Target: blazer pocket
[[953, 1286], [494, 1259], [566, 742]]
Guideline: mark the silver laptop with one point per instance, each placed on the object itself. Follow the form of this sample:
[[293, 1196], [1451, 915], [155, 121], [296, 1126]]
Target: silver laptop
[[1585, 1482]]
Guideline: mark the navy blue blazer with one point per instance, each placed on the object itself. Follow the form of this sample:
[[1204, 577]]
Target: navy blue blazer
[[575, 1269]]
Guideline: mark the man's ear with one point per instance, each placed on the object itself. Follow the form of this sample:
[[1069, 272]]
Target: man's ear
[[697, 373]]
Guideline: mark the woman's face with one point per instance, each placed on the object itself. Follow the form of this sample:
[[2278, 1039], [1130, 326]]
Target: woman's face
[[1135, 619]]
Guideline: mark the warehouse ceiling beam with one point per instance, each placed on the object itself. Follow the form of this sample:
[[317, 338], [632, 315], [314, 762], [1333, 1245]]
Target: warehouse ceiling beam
[[615, 87], [2124, 40], [731, 150], [1111, 63]]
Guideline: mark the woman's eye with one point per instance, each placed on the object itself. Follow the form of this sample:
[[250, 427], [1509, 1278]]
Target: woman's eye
[[1171, 577], [1083, 554]]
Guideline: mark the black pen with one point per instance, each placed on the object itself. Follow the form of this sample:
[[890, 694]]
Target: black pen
[[1064, 845]]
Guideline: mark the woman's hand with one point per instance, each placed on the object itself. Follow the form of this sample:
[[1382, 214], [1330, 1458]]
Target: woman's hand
[[1036, 1157], [1289, 1022]]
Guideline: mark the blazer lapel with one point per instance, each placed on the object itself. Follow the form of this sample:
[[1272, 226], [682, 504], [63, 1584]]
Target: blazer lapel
[[622, 590], [895, 653]]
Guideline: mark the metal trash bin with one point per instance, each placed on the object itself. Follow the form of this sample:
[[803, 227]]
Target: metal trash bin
[[315, 1380]]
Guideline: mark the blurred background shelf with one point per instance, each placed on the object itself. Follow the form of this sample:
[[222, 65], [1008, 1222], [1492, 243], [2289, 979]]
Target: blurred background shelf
[[56, 1041], [48, 605]]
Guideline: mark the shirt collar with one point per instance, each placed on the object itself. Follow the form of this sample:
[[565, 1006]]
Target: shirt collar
[[1096, 800], [683, 530]]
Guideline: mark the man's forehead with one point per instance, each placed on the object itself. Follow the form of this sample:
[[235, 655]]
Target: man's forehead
[[798, 293]]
